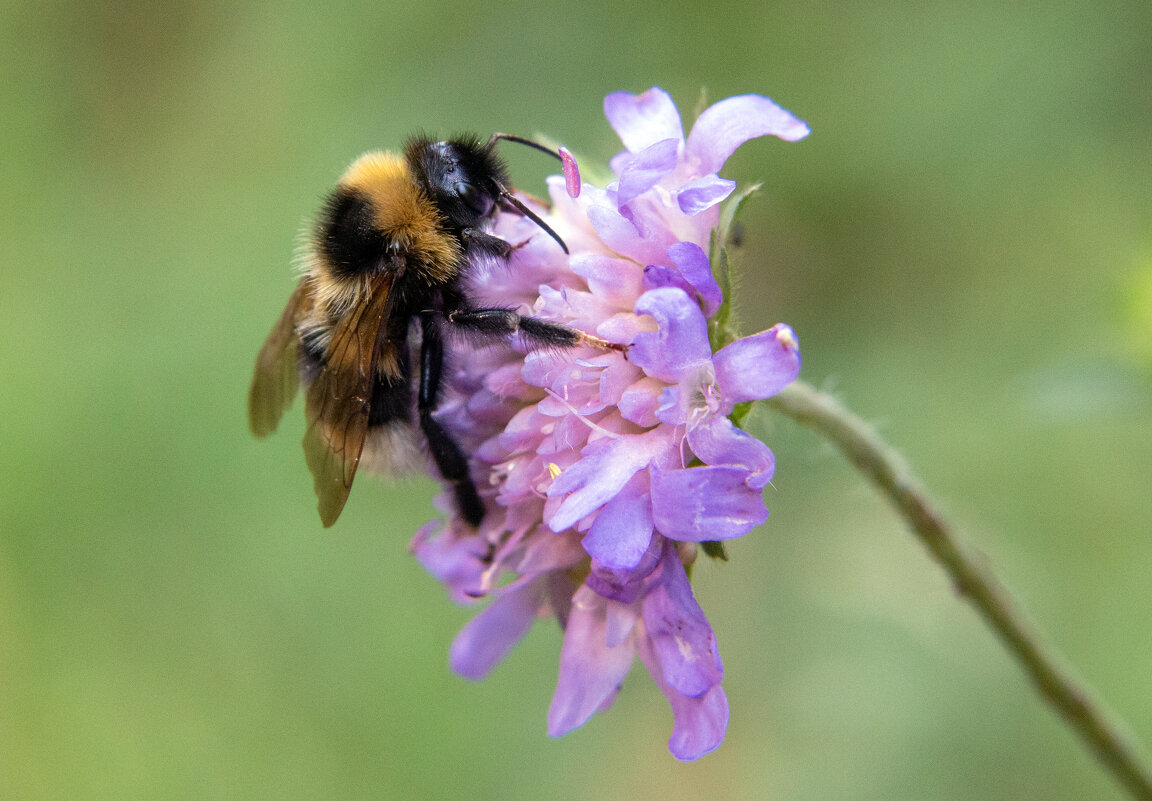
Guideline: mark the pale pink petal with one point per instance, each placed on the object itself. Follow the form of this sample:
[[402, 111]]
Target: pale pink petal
[[644, 119]]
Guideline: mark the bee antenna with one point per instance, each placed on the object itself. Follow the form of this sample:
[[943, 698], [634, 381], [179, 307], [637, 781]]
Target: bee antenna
[[496, 137], [508, 197]]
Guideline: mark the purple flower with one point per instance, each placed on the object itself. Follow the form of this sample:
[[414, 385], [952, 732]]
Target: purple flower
[[600, 471]]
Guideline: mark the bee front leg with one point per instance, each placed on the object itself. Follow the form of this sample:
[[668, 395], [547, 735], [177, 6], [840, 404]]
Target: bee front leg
[[450, 460], [482, 242], [497, 322]]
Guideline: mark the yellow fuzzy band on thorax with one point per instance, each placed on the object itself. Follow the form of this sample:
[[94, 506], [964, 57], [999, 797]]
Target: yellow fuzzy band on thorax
[[405, 215]]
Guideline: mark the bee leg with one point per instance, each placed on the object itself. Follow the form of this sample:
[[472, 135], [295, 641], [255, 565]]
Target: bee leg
[[446, 453], [492, 245], [483, 242], [496, 322]]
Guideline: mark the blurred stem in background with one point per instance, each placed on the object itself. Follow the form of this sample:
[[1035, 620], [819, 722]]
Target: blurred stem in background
[[1100, 730]]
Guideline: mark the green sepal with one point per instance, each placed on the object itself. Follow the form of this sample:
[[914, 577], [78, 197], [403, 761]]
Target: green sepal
[[721, 328], [715, 550], [740, 413]]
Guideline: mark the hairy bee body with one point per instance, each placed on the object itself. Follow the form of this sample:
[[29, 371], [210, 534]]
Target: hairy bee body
[[389, 255], [376, 226]]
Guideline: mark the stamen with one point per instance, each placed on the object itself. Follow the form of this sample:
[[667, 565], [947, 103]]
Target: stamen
[[571, 173], [581, 417], [786, 338]]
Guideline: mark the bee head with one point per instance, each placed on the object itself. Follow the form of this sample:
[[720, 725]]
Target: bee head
[[461, 176]]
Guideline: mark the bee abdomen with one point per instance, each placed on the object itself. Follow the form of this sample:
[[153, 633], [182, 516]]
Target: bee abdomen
[[391, 402]]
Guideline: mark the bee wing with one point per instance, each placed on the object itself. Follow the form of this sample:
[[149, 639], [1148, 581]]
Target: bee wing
[[276, 378], [339, 400]]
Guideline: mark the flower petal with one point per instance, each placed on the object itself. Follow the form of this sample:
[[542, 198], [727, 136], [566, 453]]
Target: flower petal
[[692, 262], [705, 503], [605, 466], [758, 366], [716, 441], [681, 638], [644, 119], [546, 552], [484, 642], [681, 339], [703, 193], [453, 557], [619, 374], [640, 402], [730, 123], [621, 532], [657, 276], [623, 328], [637, 238], [699, 723], [618, 281], [626, 586], [645, 169], [621, 621], [590, 670]]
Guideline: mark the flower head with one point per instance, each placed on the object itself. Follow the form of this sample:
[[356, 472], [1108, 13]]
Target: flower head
[[601, 470]]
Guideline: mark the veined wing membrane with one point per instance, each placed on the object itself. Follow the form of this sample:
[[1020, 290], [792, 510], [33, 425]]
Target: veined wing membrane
[[276, 377], [339, 399]]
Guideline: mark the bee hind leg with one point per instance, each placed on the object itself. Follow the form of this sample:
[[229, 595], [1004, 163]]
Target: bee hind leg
[[450, 460]]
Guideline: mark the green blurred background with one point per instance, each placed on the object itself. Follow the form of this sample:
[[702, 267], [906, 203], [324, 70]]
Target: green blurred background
[[964, 246]]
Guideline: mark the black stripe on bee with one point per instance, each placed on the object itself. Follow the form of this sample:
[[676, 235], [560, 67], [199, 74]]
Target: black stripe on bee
[[350, 241]]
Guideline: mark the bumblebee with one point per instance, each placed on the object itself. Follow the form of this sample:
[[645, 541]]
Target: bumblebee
[[388, 258]]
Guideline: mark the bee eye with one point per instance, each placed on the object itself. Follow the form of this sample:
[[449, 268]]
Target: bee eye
[[472, 196]]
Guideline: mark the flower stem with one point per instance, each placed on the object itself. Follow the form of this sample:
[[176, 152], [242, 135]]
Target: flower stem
[[1072, 699]]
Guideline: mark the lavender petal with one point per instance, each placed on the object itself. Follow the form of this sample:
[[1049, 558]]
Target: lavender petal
[[698, 723], [644, 119], [620, 535], [705, 503], [590, 671], [717, 441], [703, 193], [681, 339], [692, 262], [646, 168], [604, 468], [732, 122], [486, 640], [758, 366], [681, 638]]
